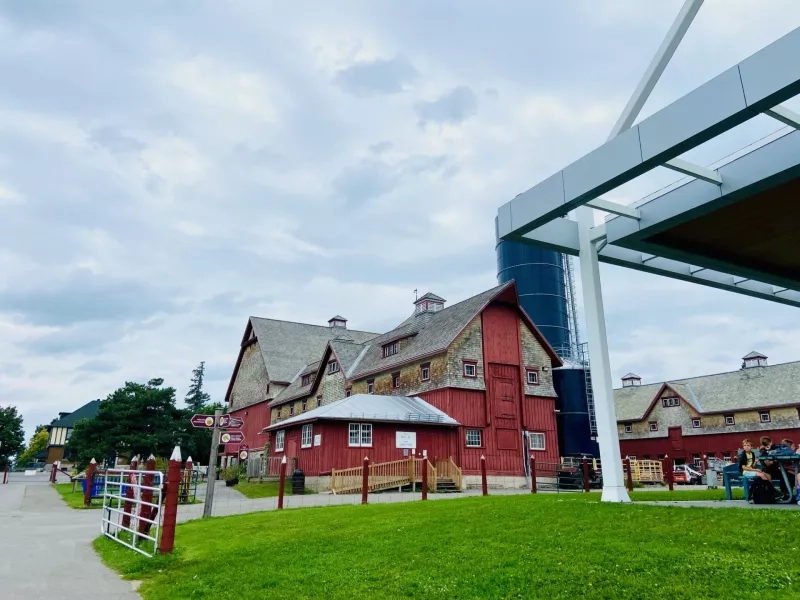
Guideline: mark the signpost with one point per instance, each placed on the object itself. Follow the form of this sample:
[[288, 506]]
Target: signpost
[[231, 437], [204, 421], [212, 462], [207, 421], [243, 452], [229, 421]]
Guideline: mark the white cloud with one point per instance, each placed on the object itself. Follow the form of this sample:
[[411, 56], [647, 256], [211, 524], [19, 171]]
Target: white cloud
[[9, 196]]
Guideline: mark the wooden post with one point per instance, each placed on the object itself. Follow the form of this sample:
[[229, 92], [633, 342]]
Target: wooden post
[[585, 468], [147, 495], [282, 483], [533, 474], [186, 480], [174, 477], [629, 478], [484, 484], [212, 465], [5, 474], [87, 495], [365, 481], [126, 509], [53, 473], [670, 474], [424, 478]]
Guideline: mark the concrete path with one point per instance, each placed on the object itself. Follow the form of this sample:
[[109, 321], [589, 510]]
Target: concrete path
[[45, 547]]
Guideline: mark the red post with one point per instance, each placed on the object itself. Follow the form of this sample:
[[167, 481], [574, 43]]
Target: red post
[[171, 504], [629, 478], [282, 483], [533, 474], [365, 481], [87, 495], [484, 484], [585, 468], [147, 495], [126, 509], [425, 479], [5, 474], [53, 473]]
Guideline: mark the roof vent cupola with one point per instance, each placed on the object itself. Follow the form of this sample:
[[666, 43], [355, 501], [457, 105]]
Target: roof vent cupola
[[337, 321], [429, 303], [754, 359], [631, 380]]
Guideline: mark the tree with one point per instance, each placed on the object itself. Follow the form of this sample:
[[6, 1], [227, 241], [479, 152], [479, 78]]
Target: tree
[[37, 444], [12, 437], [135, 419], [196, 398]]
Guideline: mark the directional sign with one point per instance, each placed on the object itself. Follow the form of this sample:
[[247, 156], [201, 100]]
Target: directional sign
[[204, 421], [243, 452], [231, 437], [229, 421]]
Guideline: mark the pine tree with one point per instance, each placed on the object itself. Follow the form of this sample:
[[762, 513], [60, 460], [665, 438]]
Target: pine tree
[[12, 437], [196, 398]]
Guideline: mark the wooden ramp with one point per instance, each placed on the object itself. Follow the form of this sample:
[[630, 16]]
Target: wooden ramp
[[394, 474]]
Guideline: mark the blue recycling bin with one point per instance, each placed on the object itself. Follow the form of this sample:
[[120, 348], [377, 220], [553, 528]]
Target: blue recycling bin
[[97, 487]]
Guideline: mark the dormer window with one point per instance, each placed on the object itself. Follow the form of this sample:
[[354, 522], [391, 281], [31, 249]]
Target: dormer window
[[333, 367], [668, 402], [390, 349], [307, 379], [754, 359], [631, 380]]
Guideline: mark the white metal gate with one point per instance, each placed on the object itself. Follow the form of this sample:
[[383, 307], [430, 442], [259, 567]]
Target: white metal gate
[[131, 508]]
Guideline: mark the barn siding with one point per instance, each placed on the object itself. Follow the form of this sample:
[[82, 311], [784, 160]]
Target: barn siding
[[250, 385], [255, 418], [540, 417]]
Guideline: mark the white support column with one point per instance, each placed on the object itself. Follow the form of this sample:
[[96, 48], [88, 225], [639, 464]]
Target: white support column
[[602, 389]]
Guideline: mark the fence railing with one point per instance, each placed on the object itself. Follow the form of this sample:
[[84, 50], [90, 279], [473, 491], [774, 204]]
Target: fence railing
[[131, 501], [386, 475], [447, 469]]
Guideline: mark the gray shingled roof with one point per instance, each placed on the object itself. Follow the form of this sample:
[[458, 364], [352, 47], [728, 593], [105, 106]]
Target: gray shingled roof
[[296, 389], [434, 333], [286, 345], [753, 354], [347, 353], [372, 407], [745, 389], [430, 296]]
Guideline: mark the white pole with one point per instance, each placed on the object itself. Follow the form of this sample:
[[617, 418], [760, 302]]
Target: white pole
[[602, 387]]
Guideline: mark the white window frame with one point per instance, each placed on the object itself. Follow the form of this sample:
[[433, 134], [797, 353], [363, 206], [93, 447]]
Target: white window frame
[[371, 386], [473, 444], [652, 425], [762, 414], [474, 368], [535, 374], [348, 392], [359, 435], [425, 373], [397, 375], [333, 367], [291, 409], [390, 349], [696, 423], [533, 435], [307, 436], [628, 428], [732, 420], [280, 438]]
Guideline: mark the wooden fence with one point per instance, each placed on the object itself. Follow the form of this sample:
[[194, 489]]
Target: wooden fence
[[386, 475], [447, 469]]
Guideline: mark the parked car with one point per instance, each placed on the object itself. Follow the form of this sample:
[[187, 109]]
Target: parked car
[[35, 466], [687, 475]]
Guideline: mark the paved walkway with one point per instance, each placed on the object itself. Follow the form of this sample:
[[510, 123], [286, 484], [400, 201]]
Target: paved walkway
[[45, 547]]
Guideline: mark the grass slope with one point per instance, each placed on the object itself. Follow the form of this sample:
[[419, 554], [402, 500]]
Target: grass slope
[[268, 489], [74, 500], [542, 546]]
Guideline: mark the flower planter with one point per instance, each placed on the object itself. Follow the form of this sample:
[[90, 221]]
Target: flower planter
[[232, 482]]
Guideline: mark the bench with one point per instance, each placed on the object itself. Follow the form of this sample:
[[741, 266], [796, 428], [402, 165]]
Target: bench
[[732, 478]]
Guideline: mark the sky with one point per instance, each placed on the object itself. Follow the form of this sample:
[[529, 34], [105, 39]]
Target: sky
[[168, 169]]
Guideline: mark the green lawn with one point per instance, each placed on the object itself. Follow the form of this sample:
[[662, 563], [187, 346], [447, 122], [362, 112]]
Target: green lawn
[[684, 495], [74, 500], [543, 546], [267, 489]]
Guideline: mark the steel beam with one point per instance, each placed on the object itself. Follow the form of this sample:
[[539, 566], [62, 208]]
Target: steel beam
[[693, 170], [614, 208], [785, 115]]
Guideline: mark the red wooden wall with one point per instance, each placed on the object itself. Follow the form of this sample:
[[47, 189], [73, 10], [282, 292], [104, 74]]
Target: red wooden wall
[[255, 418], [540, 416], [335, 453]]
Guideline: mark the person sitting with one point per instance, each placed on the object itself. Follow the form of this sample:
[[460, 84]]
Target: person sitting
[[771, 467], [747, 462]]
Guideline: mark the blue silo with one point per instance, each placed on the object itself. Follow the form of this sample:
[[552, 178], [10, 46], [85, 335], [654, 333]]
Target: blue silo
[[543, 283]]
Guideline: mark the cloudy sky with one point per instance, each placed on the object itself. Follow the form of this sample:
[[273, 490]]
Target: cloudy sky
[[168, 168]]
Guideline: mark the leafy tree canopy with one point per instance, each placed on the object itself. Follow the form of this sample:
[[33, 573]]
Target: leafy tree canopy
[[135, 419], [12, 437], [37, 444]]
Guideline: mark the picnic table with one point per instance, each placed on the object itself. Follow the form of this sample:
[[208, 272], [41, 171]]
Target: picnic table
[[784, 461]]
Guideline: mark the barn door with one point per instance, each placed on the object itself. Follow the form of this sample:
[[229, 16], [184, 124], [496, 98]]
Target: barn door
[[291, 448], [504, 386], [676, 438]]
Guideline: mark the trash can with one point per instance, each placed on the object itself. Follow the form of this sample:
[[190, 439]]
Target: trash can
[[298, 482], [711, 479]]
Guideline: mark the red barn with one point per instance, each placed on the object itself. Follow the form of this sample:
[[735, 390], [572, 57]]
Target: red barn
[[481, 363]]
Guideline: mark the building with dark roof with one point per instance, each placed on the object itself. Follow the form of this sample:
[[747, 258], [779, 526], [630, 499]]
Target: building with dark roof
[[481, 362], [60, 429], [710, 415]]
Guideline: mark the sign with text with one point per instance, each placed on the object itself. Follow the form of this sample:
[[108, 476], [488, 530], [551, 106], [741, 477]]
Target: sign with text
[[204, 421], [229, 421], [405, 439], [243, 454], [231, 437]]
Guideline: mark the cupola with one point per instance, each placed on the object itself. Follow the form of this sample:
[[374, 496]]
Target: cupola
[[631, 380]]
